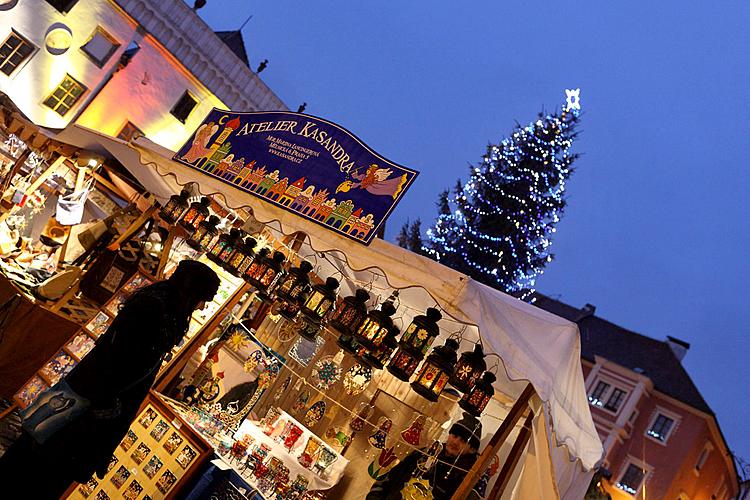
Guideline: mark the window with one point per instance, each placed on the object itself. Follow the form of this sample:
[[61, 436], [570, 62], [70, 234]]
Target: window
[[65, 95], [63, 6], [184, 106], [615, 399], [129, 132], [703, 456], [631, 479], [100, 47], [597, 395], [15, 50], [661, 427]]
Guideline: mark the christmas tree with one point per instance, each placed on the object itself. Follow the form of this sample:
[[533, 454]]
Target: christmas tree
[[497, 227], [410, 236]]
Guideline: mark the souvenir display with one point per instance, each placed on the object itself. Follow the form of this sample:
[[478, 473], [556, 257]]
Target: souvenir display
[[119, 477], [386, 458], [159, 430], [256, 358], [377, 439], [99, 324], [153, 466], [264, 273], [242, 257], [58, 367], [140, 453], [31, 390], [304, 350], [80, 345], [326, 373], [422, 331], [413, 433], [204, 235], [174, 442], [129, 440], [310, 454], [314, 414], [133, 490], [102, 495], [377, 357], [166, 481], [363, 412], [349, 313], [88, 488], [301, 402], [290, 434], [403, 364], [293, 288], [186, 456], [147, 417]]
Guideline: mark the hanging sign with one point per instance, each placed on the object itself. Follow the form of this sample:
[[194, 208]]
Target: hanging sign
[[303, 164]]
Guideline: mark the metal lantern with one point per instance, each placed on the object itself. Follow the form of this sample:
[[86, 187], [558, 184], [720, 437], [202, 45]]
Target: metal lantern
[[214, 253], [289, 308], [264, 273], [235, 240], [376, 325], [475, 401], [242, 257], [349, 344], [175, 207], [469, 368], [196, 213], [296, 281], [349, 313], [422, 331], [206, 232], [404, 363], [436, 370], [321, 300], [308, 328], [378, 357]]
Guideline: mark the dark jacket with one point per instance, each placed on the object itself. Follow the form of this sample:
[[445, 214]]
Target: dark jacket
[[443, 478], [118, 371]]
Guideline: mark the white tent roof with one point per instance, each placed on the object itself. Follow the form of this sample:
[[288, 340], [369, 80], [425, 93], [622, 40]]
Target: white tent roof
[[534, 345]]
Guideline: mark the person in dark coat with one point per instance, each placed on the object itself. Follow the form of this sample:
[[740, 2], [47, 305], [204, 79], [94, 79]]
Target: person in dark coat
[[459, 454], [116, 377]]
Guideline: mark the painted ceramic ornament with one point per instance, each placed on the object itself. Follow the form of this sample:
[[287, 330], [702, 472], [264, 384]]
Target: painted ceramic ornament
[[385, 460], [301, 402], [256, 357], [282, 390], [363, 412], [315, 413], [237, 341], [356, 379], [413, 433], [377, 438], [326, 373], [303, 351]]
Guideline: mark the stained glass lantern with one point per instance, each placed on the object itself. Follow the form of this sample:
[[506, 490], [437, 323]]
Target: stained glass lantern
[[436, 370], [422, 331], [256, 267], [235, 240], [175, 207], [308, 328], [295, 283], [242, 257], [225, 240], [195, 214], [349, 344], [404, 363], [321, 300], [378, 357], [350, 313], [206, 232], [376, 325], [264, 273], [475, 401], [469, 368], [289, 308]]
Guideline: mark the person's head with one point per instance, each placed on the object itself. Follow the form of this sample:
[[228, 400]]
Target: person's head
[[196, 282], [463, 436]]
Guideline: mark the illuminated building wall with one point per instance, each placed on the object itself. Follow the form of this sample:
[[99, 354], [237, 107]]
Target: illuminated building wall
[[177, 53]]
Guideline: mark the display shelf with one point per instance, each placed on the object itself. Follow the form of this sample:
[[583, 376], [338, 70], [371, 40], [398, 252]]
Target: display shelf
[[156, 457]]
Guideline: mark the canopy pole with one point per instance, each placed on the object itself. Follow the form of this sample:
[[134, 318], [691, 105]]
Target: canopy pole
[[515, 455], [502, 433]]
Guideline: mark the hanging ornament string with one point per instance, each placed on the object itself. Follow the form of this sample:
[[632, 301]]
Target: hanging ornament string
[[305, 383]]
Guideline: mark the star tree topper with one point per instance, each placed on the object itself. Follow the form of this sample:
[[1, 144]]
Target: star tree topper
[[573, 98]]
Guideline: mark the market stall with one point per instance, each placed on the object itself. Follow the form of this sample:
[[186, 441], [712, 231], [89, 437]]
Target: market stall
[[308, 388]]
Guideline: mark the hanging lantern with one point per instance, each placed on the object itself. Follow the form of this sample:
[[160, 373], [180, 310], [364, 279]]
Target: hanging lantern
[[264, 273], [422, 331], [242, 257], [175, 207], [376, 325], [378, 357], [196, 213], [475, 401], [349, 313], [225, 240], [292, 288], [308, 328], [469, 368], [403, 364], [321, 300], [436, 370], [290, 308], [349, 344], [205, 233], [235, 240]]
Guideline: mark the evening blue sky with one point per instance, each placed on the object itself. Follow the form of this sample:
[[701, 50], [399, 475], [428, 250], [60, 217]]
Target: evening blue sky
[[655, 233]]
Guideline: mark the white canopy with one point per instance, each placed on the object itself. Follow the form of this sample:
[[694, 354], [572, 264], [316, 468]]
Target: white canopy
[[534, 345]]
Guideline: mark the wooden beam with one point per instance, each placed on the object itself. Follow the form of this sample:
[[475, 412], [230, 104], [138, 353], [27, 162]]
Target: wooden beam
[[502, 433], [165, 251], [104, 182], [503, 477], [38, 182]]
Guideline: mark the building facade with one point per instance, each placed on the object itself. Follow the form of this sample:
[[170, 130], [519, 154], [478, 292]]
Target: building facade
[[123, 67], [661, 439]]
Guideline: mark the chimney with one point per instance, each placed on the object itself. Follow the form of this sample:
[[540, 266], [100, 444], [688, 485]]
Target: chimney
[[586, 311], [679, 347]]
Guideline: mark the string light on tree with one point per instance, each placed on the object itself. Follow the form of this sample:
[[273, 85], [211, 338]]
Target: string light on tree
[[497, 227]]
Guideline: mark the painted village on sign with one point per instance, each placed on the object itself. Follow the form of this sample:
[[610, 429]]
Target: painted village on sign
[[303, 164]]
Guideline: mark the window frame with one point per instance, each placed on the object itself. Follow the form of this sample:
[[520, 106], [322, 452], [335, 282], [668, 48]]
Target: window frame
[[703, 457], [51, 95], [22, 63], [184, 94], [654, 417], [69, 4], [644, 467], [112, 40], [605, 396]]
